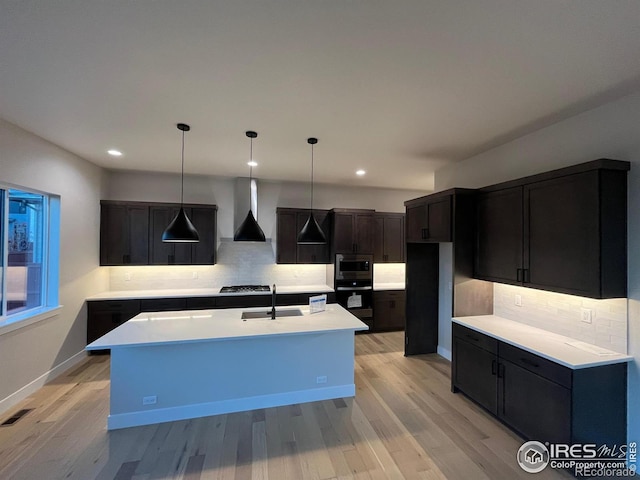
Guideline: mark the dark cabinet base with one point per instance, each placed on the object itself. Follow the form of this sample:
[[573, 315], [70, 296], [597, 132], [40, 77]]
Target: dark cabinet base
[[539, 399]]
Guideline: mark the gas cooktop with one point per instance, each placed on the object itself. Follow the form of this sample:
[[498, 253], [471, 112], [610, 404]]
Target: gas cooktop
[[245, 288]]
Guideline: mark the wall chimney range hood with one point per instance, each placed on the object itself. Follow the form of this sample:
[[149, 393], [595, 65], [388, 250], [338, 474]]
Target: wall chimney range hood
[[249, 230]]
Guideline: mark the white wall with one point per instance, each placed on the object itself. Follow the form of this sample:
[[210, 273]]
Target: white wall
[[610, 131], [29, 353]]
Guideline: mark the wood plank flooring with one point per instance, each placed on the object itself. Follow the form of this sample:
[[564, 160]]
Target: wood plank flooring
[[404, 423]]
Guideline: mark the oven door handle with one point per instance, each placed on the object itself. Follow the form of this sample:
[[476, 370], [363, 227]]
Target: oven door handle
[[346, 289]]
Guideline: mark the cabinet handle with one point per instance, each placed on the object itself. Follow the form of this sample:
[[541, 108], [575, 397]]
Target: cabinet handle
[[519, 275], [531, 363], [494, 367], [525, 276], [424, 233], [471, 337], [500, 370]]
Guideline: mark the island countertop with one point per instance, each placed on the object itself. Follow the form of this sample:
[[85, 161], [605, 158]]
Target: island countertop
[[162, 328]]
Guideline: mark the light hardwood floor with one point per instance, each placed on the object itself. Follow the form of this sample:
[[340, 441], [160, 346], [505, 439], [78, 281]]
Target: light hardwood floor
[[404, 423]]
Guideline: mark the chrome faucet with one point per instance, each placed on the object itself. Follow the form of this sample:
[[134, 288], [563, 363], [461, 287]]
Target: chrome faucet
[[273, 302]]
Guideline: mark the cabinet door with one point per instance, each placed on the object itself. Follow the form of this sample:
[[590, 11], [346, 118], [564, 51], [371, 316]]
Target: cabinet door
[[163, 304], [416, 222], [104, 316], [287, 233], [204, 219], [499, 236], [388, 310], [474, 372], [364, 233], [166, 253], [421, 330], [394, 239], [343, 233], [562, 242], [536, 407], [124, 234], [439, 220], [313, 253]]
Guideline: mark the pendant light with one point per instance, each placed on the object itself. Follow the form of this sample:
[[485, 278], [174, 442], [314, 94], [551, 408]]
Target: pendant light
[[181, 230], [311, 233], [249, 230]]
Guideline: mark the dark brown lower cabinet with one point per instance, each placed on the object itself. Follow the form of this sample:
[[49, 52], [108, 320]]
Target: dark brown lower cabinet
[[104, 316], [388, 310], [163, 304], [538, 398]]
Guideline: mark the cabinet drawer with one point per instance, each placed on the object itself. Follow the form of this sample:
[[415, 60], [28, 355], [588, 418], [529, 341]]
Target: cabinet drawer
[[197, 303], [114, 306], [163, 304], [243, 301], [538, 365], [476, 338]]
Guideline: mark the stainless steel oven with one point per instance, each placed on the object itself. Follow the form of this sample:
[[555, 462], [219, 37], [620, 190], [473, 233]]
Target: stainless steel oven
[[354, 267], [354, 285]]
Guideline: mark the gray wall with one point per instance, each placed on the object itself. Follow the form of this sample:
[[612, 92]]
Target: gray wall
[[28, 354], [610, 131]]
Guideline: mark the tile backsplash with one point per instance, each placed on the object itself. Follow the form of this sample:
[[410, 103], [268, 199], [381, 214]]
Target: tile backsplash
[[561, 314], [239, 263]]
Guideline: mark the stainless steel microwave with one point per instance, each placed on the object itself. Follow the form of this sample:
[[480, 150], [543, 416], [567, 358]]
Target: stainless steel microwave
[[354, 267]]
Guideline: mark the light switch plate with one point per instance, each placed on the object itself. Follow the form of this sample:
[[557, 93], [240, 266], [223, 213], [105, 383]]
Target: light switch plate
[[518, 300]]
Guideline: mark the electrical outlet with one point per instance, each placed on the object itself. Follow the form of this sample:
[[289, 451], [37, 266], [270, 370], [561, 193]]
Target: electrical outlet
[[585, 315], [194, 275], [321, 379], [518, 300], [150, 400], [127, 277]]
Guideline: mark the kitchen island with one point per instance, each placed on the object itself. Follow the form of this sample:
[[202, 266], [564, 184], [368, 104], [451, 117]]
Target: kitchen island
[[168, 366]]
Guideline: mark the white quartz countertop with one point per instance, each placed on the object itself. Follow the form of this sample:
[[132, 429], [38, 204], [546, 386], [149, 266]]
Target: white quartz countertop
[[201, 292], [388, 286], [558, 348], [161, 328]]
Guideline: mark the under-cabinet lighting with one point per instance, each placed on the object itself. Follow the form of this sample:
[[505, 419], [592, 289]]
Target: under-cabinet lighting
[[114, 153]]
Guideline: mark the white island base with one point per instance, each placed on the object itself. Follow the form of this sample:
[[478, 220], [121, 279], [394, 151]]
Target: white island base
[[170, 366]]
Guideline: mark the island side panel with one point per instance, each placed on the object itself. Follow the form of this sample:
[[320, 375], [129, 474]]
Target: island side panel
[[198, 379]]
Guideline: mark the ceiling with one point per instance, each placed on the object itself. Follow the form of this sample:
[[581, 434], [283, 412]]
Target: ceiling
[[398, 88]]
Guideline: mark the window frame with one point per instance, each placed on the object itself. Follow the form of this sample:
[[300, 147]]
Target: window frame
[[50, 260]]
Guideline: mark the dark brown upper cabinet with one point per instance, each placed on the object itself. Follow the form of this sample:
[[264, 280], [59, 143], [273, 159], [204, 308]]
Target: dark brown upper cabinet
[[124, 233], [563, 231], [352, 231], [389, 238], [429, 219], [289, 222], [203, 252], [131, 234]]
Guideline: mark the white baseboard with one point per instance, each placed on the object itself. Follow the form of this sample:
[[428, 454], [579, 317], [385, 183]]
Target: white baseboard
[[443, 352], [183, 412], [16, 397]]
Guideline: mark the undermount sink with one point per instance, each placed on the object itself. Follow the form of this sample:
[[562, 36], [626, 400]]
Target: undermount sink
[[294, 312]]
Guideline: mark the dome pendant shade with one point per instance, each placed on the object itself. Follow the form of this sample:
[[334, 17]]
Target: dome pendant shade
[[181, 230], [311, 233], [249, 230]]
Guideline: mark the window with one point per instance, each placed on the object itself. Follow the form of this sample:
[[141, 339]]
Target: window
[[25, 234]]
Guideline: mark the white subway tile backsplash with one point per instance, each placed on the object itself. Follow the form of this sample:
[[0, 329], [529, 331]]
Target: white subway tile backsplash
[[560, 314]]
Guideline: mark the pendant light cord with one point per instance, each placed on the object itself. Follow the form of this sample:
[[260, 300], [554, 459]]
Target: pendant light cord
[[311, 180], [250, 168], [182, 174]]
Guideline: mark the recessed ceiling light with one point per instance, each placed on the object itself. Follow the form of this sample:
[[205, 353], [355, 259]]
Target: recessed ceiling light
[[252, 163], [360, 172], [114, 153]]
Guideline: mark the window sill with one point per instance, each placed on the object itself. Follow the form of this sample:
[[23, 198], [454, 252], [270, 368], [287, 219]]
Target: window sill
[[25, 319]]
